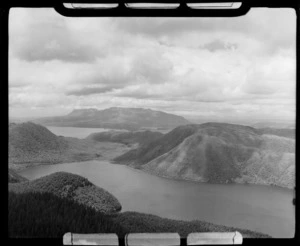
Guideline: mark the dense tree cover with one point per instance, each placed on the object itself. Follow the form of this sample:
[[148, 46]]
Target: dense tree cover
[[44, 215], [138, 223], [37, 214], [71, 186]]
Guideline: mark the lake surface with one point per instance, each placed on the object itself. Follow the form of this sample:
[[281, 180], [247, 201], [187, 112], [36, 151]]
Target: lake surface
[[263, 209], [77, 132]]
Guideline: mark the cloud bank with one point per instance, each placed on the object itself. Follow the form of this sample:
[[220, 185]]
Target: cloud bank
[[201, 68]]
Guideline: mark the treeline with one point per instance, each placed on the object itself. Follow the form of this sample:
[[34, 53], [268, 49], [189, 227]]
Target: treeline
[[43, 215]]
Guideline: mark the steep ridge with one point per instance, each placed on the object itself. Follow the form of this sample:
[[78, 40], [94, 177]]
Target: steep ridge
[[116, 118], [73, 187], [219, 153], [148, 152]]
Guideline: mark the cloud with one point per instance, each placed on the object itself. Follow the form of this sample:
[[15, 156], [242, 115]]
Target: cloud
[[196, 67], [56, 49], [49, 39], [268, 27], [271, 76], [151, 66], [140, 67], [91, 90], [218, 45]]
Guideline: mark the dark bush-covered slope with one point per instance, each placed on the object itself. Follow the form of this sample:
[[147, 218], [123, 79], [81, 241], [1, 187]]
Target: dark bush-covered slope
[[45, 215], [71, 186], [139, 222]]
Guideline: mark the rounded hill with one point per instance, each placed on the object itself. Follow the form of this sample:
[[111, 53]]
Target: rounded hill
[[71, 186], [218, 153]]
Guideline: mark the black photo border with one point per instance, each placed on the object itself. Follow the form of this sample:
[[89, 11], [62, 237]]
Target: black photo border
[[122, 11]]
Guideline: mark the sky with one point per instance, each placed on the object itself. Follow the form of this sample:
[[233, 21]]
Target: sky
[[217, 69]]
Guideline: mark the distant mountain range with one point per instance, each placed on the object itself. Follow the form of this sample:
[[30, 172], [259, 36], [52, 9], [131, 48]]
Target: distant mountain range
[[116, 118], [219, 153]]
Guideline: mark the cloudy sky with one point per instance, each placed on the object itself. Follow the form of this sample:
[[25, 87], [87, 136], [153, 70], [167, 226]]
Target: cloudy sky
[[239, 68]]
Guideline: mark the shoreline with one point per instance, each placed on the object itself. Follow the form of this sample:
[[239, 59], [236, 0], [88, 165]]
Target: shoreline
[[27, 166], [200, 182], [107, 162]]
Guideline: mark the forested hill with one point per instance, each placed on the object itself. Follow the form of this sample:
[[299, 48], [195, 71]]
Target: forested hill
[[71, 186]]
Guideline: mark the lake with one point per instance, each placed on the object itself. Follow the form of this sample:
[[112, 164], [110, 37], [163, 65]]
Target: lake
[[263, 209], [77, 132]]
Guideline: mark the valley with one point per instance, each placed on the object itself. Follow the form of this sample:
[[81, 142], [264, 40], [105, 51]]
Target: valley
[[218, 158]]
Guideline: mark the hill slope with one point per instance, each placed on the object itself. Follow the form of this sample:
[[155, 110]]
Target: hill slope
[[282, 132], [218, 153], [73, 187], [151, 150], [33, 144], [13, 177], [140, 137], [116, 118]]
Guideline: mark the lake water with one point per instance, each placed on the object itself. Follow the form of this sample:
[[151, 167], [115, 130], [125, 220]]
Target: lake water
[[76, 132], [263, 209]]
